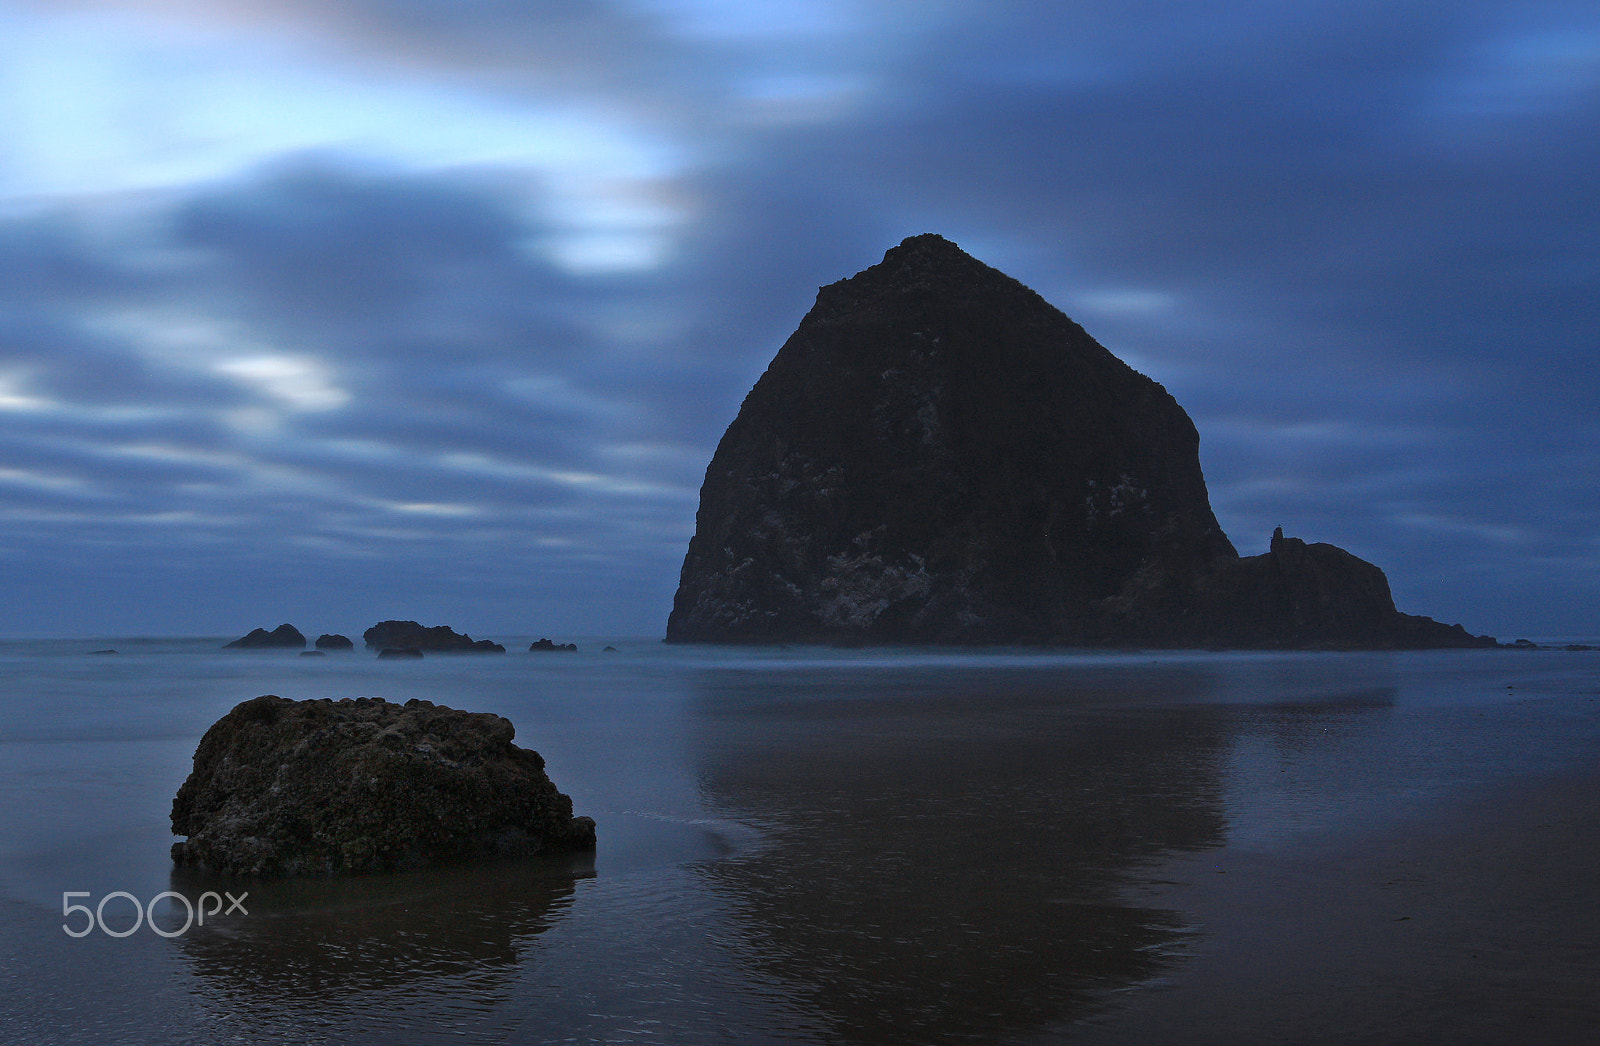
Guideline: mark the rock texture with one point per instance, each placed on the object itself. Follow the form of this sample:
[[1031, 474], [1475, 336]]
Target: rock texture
[[399, 635], [286, 787], [937, 455], [284, 635]]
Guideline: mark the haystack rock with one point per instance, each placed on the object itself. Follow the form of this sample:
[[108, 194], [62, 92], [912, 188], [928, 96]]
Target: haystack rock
[[284, 787], [938, 455]]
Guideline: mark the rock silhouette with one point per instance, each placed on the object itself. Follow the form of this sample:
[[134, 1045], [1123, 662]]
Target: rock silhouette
[[938, 455], [285, 635], [401, 635], [284, 787]]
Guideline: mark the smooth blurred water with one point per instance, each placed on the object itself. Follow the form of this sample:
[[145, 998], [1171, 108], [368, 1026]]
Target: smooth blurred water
[[808, 845]]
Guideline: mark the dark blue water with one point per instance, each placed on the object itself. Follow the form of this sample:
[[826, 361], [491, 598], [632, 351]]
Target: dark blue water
[[806, 846]]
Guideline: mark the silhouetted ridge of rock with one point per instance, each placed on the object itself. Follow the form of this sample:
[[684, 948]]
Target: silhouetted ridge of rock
[[285, 635], [938, 455], [402, 635]]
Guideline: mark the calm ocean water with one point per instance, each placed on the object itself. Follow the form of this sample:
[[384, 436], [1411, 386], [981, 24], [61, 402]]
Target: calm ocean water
[[796, 846]]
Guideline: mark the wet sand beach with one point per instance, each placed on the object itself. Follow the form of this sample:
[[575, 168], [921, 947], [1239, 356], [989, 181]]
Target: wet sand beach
[[854, 849], [1478, 923]]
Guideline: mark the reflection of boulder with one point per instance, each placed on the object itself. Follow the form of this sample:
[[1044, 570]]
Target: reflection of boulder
[[310, 787], [439, 638], [319, 948], [949, 858], [284, 635], [399, 653]]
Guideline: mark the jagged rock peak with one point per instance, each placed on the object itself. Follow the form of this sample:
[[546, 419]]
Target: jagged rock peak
[[938, 455]]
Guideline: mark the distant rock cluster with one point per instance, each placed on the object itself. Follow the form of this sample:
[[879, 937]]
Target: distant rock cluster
[[937, 455], [391, 639], [283, 787]]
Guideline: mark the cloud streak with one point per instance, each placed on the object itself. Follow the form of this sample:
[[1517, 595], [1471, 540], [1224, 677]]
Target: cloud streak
[[436, 309]]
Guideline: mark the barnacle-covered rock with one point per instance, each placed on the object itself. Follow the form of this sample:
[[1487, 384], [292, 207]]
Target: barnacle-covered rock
[[285, 787]]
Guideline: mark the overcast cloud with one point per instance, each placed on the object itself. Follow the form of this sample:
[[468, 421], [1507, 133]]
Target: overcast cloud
[[337, 311]]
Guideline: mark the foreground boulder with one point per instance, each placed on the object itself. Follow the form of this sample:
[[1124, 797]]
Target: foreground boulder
[[286, 787], [396, 635], [938, 455], [284, 635]]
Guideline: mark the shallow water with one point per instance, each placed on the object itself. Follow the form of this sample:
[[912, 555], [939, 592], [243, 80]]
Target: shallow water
[[799, 846]]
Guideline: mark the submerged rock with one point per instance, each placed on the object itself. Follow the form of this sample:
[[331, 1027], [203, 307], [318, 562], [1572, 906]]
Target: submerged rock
[[284, 787], [438, 638], [938, 455], [399, 653], [284, 635]]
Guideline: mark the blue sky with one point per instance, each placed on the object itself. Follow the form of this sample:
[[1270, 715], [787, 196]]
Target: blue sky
[[339, 311]]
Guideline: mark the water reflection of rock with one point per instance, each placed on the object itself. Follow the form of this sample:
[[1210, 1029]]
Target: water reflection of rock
[[951, 854], [358, 946]]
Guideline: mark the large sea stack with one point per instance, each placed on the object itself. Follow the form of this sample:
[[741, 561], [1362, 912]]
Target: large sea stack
[[938, 455]]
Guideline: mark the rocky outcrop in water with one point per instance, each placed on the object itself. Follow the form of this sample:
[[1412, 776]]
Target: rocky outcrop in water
[[938, 455], [284, 787], [399, 635], [1295, 596], [328, 641], [550, 646], [284, 635]]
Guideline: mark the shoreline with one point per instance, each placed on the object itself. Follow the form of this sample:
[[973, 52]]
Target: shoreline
[[1474, 924]]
